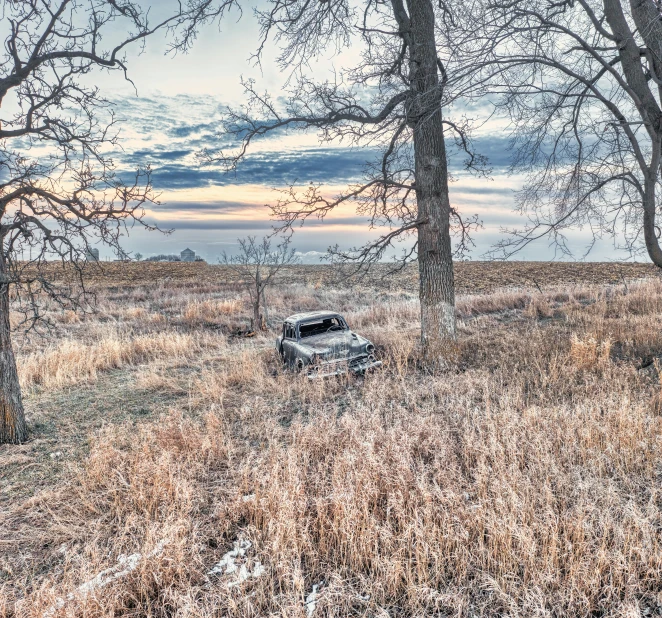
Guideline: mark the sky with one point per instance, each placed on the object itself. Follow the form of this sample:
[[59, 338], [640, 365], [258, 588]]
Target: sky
[[173, 112]]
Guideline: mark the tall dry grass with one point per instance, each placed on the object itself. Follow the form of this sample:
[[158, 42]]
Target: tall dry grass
[[72, 361], [210, 310], [524, 480]]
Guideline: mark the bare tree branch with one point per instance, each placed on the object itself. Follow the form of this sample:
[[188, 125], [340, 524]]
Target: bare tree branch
[[579, 80]]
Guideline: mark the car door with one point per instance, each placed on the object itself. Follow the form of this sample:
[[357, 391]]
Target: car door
[[289, 343]]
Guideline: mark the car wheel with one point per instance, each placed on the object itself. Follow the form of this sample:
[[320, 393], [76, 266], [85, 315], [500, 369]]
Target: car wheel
[[299, 365]]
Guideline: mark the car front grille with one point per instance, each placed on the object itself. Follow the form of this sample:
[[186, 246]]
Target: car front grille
[[337, 363]]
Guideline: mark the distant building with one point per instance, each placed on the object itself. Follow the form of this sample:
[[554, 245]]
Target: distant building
[[92, 255], [187, 255]]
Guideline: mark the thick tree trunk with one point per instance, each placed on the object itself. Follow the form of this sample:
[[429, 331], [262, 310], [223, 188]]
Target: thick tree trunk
[[646, 15], [12, 419], [435, 258], [650, 227]]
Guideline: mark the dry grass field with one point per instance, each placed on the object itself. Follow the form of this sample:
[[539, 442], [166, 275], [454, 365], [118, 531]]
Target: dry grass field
[[174, 468]]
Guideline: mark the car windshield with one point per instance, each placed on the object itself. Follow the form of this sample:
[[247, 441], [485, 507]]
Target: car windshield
[[319, 326]]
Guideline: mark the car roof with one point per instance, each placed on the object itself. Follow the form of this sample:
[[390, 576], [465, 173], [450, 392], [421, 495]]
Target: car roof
[[311, 315]]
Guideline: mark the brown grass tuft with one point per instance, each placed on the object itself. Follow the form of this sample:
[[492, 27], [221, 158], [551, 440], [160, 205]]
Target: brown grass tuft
[[588, 353], [71, 361], [211, 310]]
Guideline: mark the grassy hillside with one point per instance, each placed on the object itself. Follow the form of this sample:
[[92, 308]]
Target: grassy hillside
[[522, 478]]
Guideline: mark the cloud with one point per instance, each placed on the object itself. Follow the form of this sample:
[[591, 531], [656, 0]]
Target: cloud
[[175, 169], [158, 154], [251, 224], [170, 170], [216, 207], [178, 127], [310, 254], [184, 130], [211, 224], [311, 257], [487, 189]]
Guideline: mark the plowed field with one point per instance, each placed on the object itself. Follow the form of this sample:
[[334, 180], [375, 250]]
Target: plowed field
[[471, 277]]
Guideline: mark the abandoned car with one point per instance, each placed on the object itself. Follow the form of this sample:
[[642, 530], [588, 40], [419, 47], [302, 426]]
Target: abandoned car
[[321, 344]]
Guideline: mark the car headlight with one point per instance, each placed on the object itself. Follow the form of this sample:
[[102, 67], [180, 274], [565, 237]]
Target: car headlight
[[370, 348]]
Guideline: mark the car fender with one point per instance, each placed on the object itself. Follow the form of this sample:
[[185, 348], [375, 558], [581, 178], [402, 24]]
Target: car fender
[[361, 343], [303, 352]]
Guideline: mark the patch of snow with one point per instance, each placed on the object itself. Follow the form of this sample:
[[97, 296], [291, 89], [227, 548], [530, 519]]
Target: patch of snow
[[125, 564], [258, 569], [311, 599], [227, 565]]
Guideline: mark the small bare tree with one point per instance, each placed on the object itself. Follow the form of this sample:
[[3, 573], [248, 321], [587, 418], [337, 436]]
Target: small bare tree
[[59, 190], [392, 99], [582, 81], [257, 264]]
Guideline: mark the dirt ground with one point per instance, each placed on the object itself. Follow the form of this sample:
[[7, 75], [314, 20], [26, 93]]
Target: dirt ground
[[471, 277]]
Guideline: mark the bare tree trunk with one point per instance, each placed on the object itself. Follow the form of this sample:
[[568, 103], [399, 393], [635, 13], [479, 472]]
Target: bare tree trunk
[[257, 316], [650, 228], [435, 258], [12, 419], [265, 317], [646, 16], [257, 302]]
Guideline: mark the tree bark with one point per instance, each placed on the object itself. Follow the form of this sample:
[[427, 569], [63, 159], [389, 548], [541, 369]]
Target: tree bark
[[650, 227], [435, 258], [257, 316], [258, 320], [646, 16], [12, 419], [265, 310]]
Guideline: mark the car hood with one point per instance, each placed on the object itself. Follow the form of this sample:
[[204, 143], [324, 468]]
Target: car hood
[[330, 345]]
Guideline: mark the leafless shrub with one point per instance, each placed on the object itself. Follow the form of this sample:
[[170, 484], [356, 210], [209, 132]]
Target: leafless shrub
[[257, 264]]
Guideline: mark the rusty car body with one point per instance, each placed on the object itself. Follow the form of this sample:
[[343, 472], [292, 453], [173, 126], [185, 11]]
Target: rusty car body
[[321, 344]]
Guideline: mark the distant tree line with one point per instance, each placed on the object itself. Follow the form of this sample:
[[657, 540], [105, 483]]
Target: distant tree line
[[162, 258]]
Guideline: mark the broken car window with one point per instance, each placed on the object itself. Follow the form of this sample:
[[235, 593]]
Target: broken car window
[[320, 326]]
